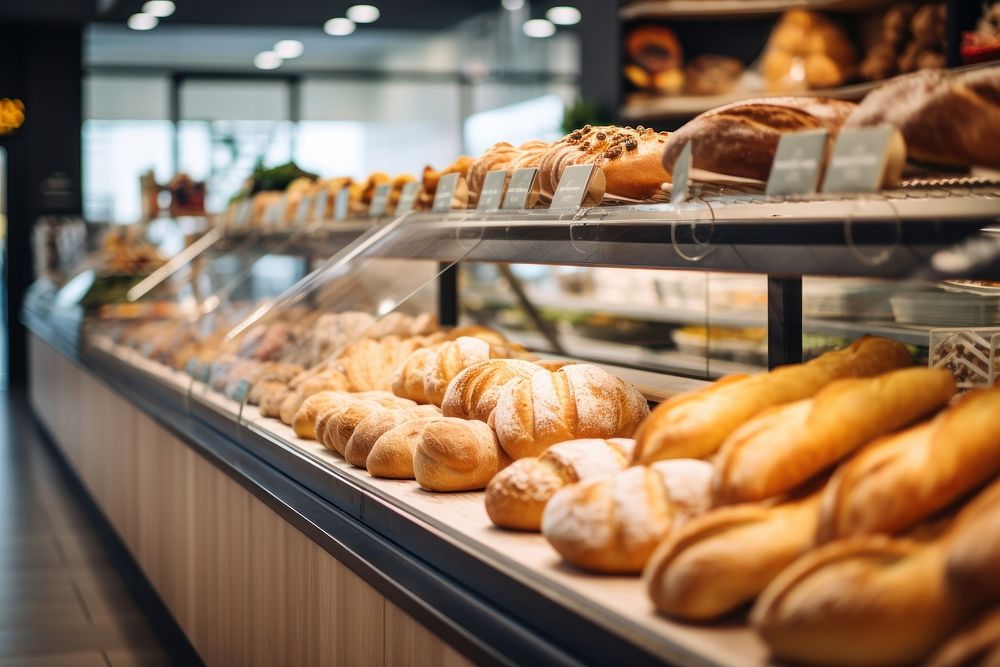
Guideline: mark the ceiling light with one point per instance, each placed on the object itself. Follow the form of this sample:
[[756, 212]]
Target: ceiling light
[[339, 27], [538, 28], [142, 21], [287, 49], [267, 60], [512, 5], [563, 15], [159, 8], [363, 13]]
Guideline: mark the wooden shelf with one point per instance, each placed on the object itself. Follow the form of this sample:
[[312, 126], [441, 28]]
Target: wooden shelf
[[698, 9]]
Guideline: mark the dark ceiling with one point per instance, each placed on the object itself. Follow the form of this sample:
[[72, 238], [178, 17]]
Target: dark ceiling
[[397, 14]]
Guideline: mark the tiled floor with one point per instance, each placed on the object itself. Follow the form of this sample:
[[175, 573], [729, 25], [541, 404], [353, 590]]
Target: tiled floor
[[62, 601]]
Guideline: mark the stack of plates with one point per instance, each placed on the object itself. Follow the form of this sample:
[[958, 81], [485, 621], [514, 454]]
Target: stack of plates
[[946, 309]]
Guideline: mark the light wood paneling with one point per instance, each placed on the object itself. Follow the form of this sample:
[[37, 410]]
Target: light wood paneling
[[246, 587]]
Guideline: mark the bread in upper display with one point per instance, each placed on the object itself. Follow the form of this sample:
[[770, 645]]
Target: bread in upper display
[[695, 424], [516, 496], [806, 51], [370, 429], [974, 548], [612, 523], [900, 479], [712, 75], [949, 118], [575, 401], [787, 445], [473, 393], [726, 557], [457, 455], [871, 600], [656, 61], [629, 158], [911, 39], [740, 139], [977, 645]]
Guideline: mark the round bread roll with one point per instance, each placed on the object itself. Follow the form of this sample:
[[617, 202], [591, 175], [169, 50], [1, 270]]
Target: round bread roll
[[392, 454], [473, 393], [457, 455], [408, 381], [612, 523], [575, 401], [304, 421], [370, 429]]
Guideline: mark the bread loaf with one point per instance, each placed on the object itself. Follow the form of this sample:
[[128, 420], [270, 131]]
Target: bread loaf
[[977, 645], [499, 156], [450, 359], [924, 107], [870, 601], [408, 380], [696, 424], [457, 455], [740, 139], [725, 558], [576, 401], [630, 159], [262, 388], [392, 454], [304, 421], [516, 496], [902, 478], [974, 548], [272, 397], [612, 523], [333, 429], [370, 429], [330, 380], [529, 154], [785, 446], [473, 393]]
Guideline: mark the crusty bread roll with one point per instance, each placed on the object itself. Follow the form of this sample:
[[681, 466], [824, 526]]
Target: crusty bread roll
[[870, 600], [334, 426], [924, 106], [725, 558], [329, 380], [304, 421], [272, 397], [408, 380], [516, 496], [786, 445], [612, 523], [370, 429], [630, 159], [575, 401], [369, 365], [454, 356], [740, 139], [977, 645], [902, 478], [457, 455], [974, 548], [695, 425], [473, 393], [391, 456], [491, 336], [262, 388]]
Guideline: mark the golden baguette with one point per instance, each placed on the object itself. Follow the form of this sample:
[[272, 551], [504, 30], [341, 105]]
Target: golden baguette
[[695, 425], [898, 480], [785, 446], [974, 548], [977, 645], [726, 557], [870, 601]]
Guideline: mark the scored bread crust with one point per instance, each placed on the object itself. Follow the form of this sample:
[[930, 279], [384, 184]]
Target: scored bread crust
[[370, 429], [457, 455], [473, 393], [900, 479], [391, 456], [408, 380], [740, 139], [304, 421], [786, 445]]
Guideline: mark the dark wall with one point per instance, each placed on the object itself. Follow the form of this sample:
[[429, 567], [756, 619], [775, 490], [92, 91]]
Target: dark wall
[[41, 65]]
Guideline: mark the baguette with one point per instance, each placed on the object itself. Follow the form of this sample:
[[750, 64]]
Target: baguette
[[977, 645], [473, 393], [871, 600], [725, 558], [974, 548], [457, 455], [375, 425], [612, 523], [787, 445], [391, 456], [695, 425], [516, 496], [900, 479]]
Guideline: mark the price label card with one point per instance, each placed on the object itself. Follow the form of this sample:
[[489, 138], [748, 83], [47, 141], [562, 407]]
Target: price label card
[[242, 389], [192, 368], [447, 186], [522, 192], [319, 206], [407, 198], [580, 184], [680, 177], [380, 201], [492, 192], [797, 163], [859, 159], [302, 212], [340, 204], [206, 372]]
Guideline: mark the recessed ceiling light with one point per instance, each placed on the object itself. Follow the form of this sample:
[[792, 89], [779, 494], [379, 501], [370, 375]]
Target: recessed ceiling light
[[563, 15], [142, 21], [267, 60], [339, 27], [287, 49], [159, 8], [539, 28], [512, 5], [363, 13]]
